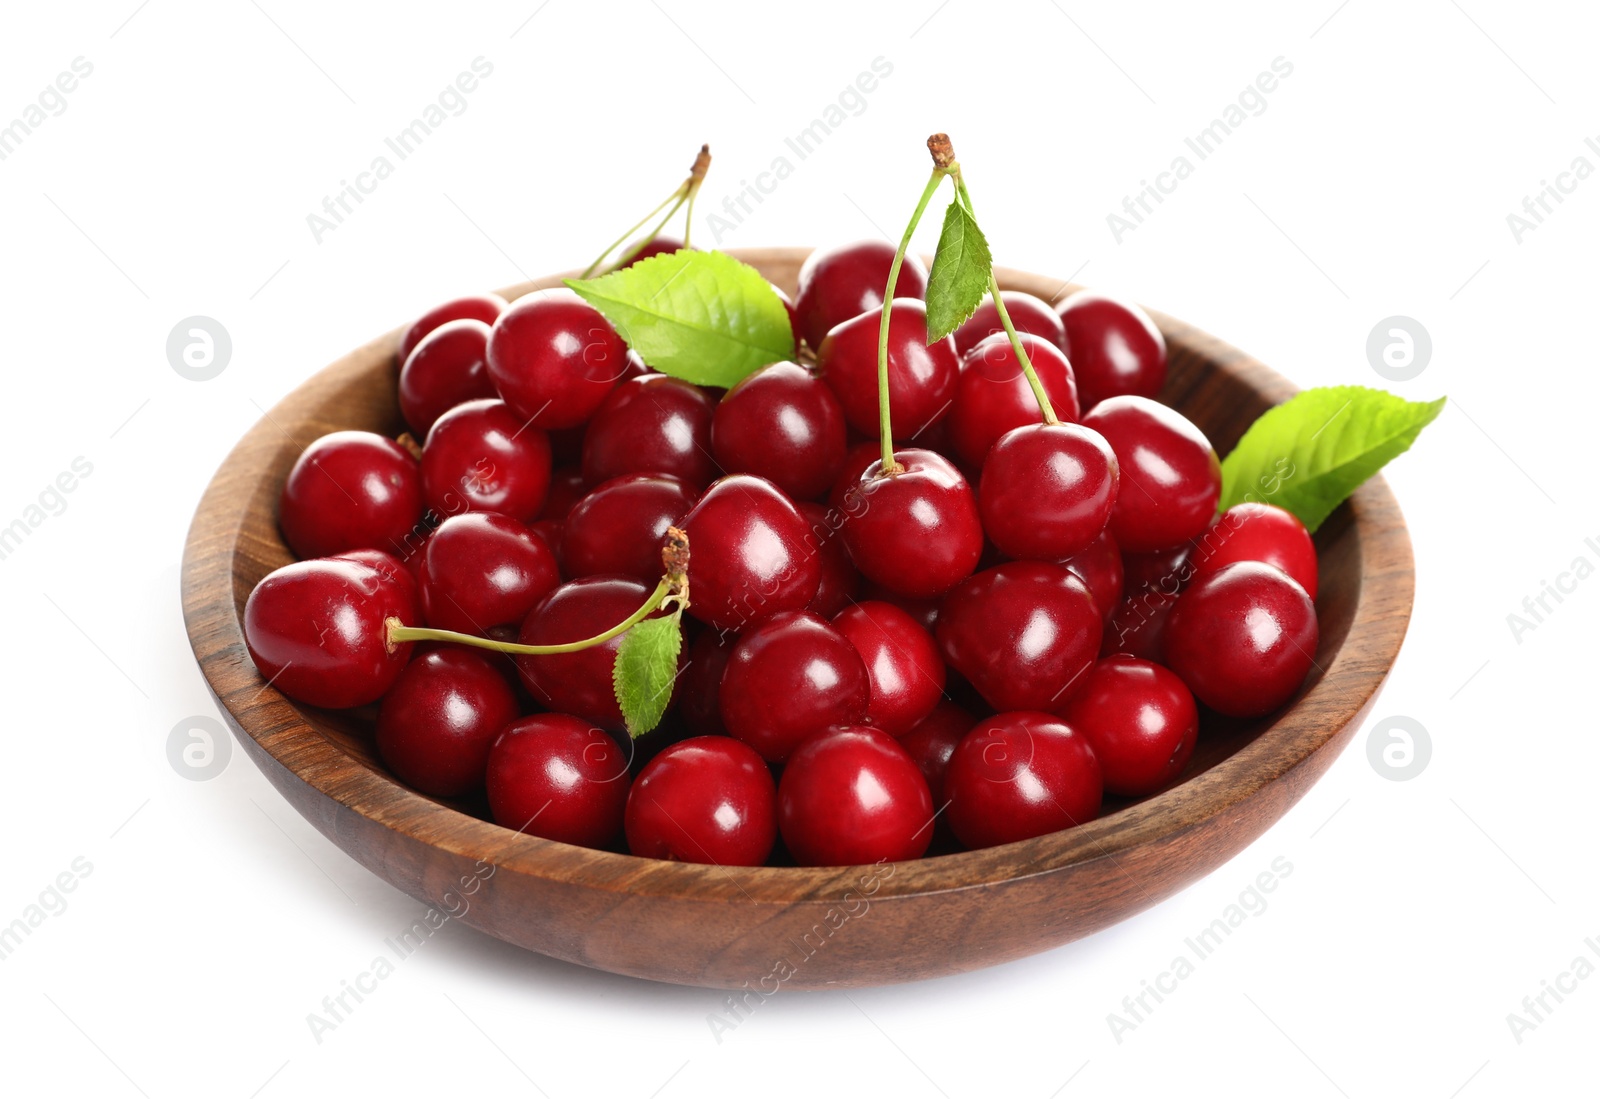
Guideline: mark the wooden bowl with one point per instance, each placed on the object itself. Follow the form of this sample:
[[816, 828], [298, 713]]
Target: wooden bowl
[[772, 927]]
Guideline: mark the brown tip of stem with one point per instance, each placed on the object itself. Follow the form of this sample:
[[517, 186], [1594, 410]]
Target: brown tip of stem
[[390, 624], [702, 163], [408, 443], [675, 554], [943, 154]]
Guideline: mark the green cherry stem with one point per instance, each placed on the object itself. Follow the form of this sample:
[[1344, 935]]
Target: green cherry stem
[[686, 192]]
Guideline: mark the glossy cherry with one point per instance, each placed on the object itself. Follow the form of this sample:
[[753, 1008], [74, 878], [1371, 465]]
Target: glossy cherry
[[846, 280], [438, 720], [316, 631], [1020, 775], [658, 246], [350, 490], [1138, 625], [480, 456], [1140, 720], [853, 796], [1022, 633], [391, 568], [915, 531], [1099, 566], [620, 526], [554, 358], [749, 556], [709, 799], [788, 679], [1028, 314], [579, 683], [478, 307], [482, 570], [558, 777], [700, 686], [922, 376], [449, 367], [1167, 570], [933, 741], [1171, 478], [784, 424], [1047, 490], [1243, 638], [1258, 532], [1117, 349], [993, 395], [905, 673], [652, 424], [840, 582]]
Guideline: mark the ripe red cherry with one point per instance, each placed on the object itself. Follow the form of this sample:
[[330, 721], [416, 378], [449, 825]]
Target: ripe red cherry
[[922, 376], [554, 358], [1243, 638], [350, 490], [749, 556], [1020, 775], [579, 683], [1140, 720], [916, 531], [993, 395], [620, 526], [934, 741], [1165, 570], [788, 305], [566, 489], [854, 796], [652, 424], [478, 307], [390, 568], [316, 630], [660, 246], [1100, 568], [481, 457], [905, 673], [784, 424], [438, 720], [846, 280], [482, 570], [447, 368], [1138, 626], [555, 776], [1022, 633], [1171, 478], [708, 800], [840, 581], [1028, 314], [1258, 532], [1117, 349], [700, 686], [788, 679], [1047, 491]]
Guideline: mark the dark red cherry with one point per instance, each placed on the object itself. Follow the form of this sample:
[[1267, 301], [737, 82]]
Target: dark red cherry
[[846, 280], [1099, 566], [922, 376], [794, 318], [1171, 478], [708, 800], [915, 531], [993, 395], [478, 307], [905, 673], [1258, 532], [481, 457], [652, 424], [438, 720], [660, 246], [749, 556], [316, 631], [1020, 775], [482, 570], [446, 369], [1117, 350], [845, 496], [1022, 633], [787, 680], [1243, 638], [840, 581], [924, 612], [566, 489], [933, 741], [1138, 626], [620, 526], [554, 358], [853, 796], [1140, 720], [350, 490], [700, 685], [1030, 315], [1165, 570], [558, 777], [1047, 490], [579, 683], [784, 424]]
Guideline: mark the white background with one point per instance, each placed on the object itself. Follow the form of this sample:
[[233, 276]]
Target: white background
[[1419, 914]]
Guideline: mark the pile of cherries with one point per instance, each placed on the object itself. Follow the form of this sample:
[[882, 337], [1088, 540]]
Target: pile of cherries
[[972, 649]]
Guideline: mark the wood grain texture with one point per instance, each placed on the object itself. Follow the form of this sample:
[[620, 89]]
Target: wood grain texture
[[795, 928]]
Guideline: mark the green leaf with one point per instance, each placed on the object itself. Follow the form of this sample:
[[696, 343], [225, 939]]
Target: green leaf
[[646, 666], [700, 316], [1311, 452], [960, 275]]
